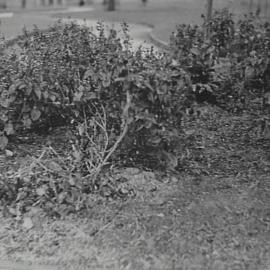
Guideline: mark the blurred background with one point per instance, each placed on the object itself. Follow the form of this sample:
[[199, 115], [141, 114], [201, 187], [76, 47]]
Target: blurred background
[[239, 5], [161, 15]]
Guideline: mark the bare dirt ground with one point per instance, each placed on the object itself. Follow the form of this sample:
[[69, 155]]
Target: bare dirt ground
[[214, 213]]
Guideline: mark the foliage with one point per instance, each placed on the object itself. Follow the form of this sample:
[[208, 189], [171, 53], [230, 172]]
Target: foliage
[[222, 30], [120, 105], [199, 58], [62, 74], [250, 54], [230, 69]]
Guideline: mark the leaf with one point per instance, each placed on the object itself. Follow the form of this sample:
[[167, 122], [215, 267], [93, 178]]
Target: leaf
[[91, 95], [26, 108], [120, 79], [54, 166], [71, 181], [41, 191], [78, 96], [28, 223], [81, 88], [249, 72], [88, 73], [4, 116], [76, 113], [9, 129], [195, 51], [106, 81], [62, 196], [12, 211], [35, 114], [28, 91], [174, 63], [180, 83], [147, 84], [77, 154], [171, 160], [45, 94], [52, 98], [12, 89], [4, 102], [81, 129], [38, 92], [9, 153], [21, 85], [27, 122], [267, 98], [155, 140], [3, 142]]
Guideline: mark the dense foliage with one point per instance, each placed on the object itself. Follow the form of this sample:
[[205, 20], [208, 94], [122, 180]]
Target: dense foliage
[[230, 65], [118, 104], [59, 75]]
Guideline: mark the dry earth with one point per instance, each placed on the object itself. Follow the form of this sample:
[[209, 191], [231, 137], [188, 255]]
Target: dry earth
[[214, 214]]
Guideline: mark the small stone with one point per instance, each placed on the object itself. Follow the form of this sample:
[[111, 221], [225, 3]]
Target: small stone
[[174, 179], [132, 171], [9, 153]]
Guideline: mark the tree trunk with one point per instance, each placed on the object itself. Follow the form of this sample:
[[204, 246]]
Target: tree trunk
[[250, 7], [259, 8], [111, 5], [209, 9]]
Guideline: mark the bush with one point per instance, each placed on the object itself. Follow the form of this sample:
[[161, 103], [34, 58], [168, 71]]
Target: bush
[[120, 105], [199, 58], [60, 76], [230, 69]]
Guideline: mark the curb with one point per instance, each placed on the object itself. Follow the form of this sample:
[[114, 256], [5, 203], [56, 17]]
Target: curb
[[7, 265], [6, 15], [158, 42]]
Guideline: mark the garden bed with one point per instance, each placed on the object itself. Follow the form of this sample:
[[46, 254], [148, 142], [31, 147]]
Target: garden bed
[[213, 216]]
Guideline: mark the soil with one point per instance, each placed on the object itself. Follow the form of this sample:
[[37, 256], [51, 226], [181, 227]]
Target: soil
[[213, 213]]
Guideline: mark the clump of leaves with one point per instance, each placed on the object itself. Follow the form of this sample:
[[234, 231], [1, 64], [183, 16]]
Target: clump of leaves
[[48, 181], [198, 57], [221, 29], [229, 66]]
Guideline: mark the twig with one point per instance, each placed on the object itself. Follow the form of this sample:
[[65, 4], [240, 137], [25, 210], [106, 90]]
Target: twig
[[120, 138]]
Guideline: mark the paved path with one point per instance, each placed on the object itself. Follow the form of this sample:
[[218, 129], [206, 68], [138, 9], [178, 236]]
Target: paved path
[[12, 26], [139, 33], [6, 265]]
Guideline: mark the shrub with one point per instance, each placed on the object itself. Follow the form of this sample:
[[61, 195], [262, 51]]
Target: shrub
[[222, 31], [198, 57], [67, 71], [120, 105], [230, 69]]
